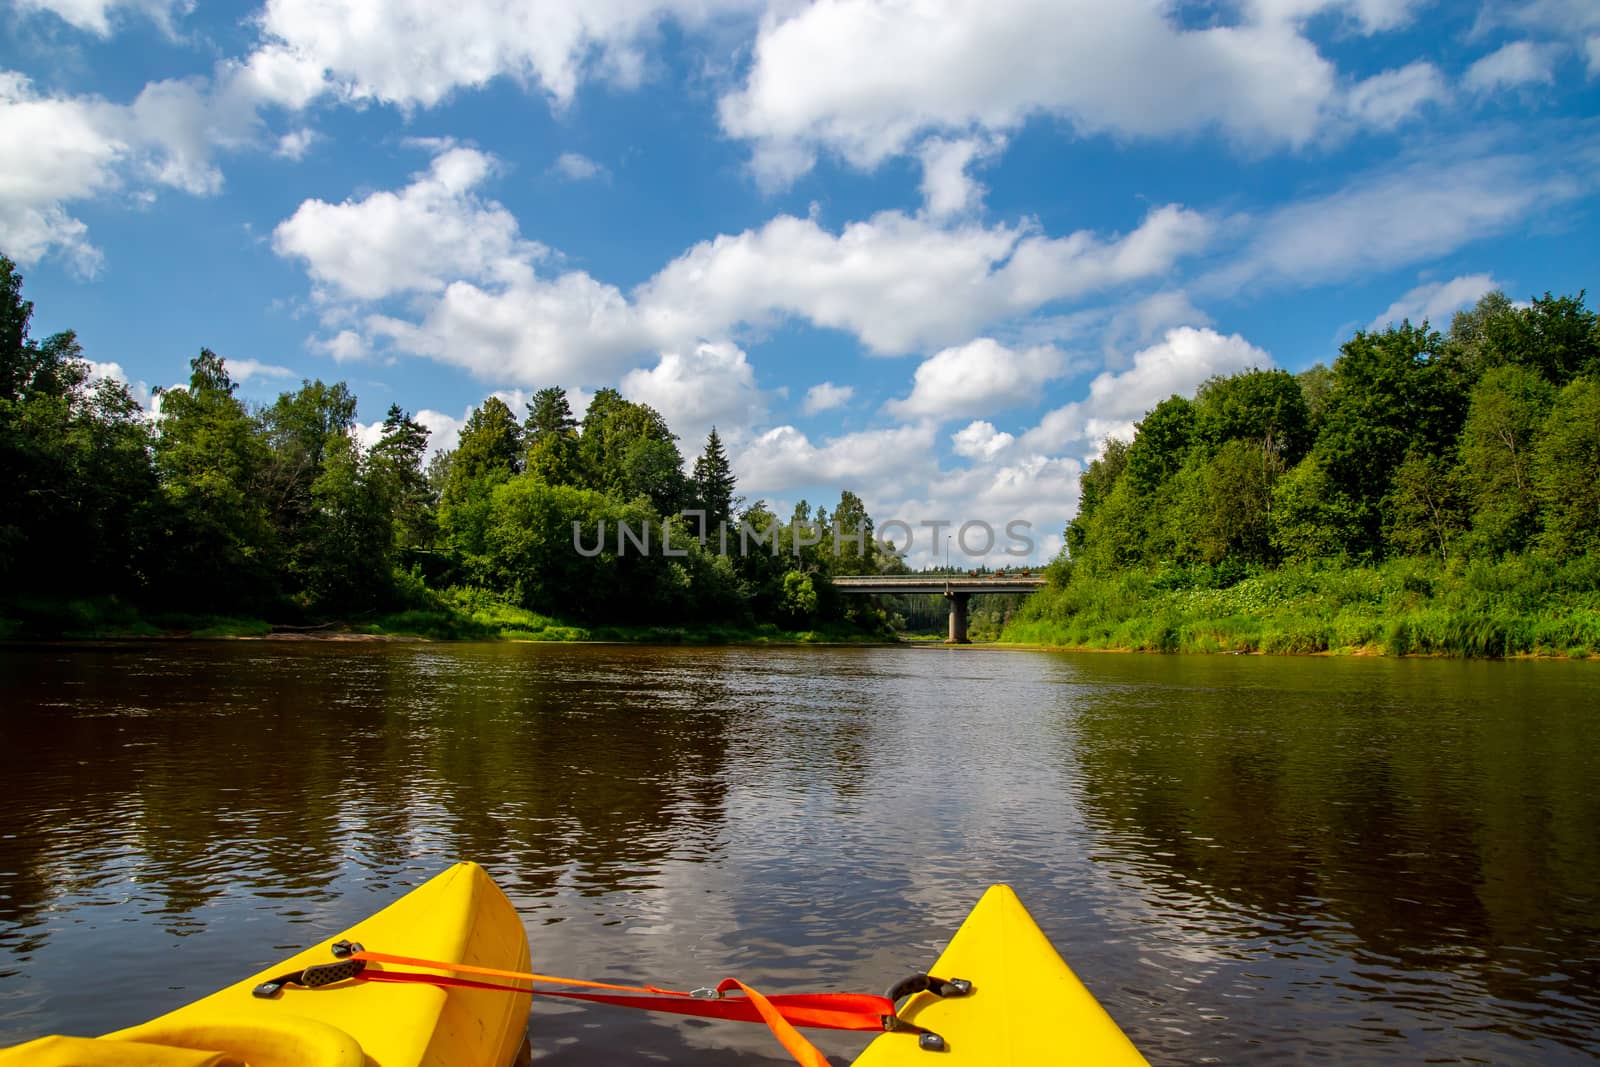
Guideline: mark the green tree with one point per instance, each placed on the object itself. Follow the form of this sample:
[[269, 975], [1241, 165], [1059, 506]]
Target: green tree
[[79, 487], [1473, 347], [1160, 443], [1263, 406], [714, 483], [394, 465], [546, 549], [1116, 535], [855, 550], [15, 315], [653, 468], [1316, 382], [1225, 505], [1311, 518], [1426, 509], [486, 455], [1389, 397], [549, 413], [79, 505], [551, 435], [222, 550], [1509, 407], [1554, 336], [1094, 487], [489, 448], [799, 598], [628, 450], [348, 546], [1566, 471], [300, 430]]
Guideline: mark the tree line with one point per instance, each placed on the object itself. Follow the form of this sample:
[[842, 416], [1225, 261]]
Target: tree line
[[216, 506], [1478, 443]]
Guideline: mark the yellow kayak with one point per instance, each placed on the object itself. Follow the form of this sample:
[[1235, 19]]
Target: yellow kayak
[[458, 916], [1009, 999], [1025, 1005]]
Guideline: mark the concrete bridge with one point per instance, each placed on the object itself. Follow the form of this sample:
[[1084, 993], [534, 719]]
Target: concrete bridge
[[956, 588]]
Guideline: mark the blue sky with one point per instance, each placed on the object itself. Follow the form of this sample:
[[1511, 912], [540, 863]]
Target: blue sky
[[933, 252]]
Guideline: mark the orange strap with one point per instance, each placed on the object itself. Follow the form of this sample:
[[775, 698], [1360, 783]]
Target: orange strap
[[496, 972], [803, 1051], [833, 1011]]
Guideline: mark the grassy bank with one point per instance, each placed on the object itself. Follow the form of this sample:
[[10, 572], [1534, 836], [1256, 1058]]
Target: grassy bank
[[475, 615], [1519, 606], [99, 618], [453, 615]]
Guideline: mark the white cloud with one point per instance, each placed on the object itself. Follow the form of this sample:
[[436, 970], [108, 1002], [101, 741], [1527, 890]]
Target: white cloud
[[70, 156], [1149, 317], [980, 440], [865, 79], [403, 52], [296, 143], [1435, 301], [1511, 65], [443, 430], [344, 346], [432, 230], [533, 331], [1016, 496], [245, 369], [1179, 364], [901, 283], [1394, 217], [889, 280], [711, 384], [578, 168], [113, 371], [826, 396], [978, 377], [1385, 100], [889, 460], [1043, 269], [947, 188], [94, 16], [1592, 54], [182, 121], [277, 75], [1369, 16], [897, 282], [84, 147], [368, 434], [1550, 16]]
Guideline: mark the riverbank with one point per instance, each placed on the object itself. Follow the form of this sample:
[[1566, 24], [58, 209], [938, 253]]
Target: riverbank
[[460, 617], [1521, 606]]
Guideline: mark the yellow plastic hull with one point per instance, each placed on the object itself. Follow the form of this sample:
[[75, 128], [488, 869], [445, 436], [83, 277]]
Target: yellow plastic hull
[[1026, 1006], [459, 916]]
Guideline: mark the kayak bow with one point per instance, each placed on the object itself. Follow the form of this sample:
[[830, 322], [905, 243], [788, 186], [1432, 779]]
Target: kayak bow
[[1005, 998]]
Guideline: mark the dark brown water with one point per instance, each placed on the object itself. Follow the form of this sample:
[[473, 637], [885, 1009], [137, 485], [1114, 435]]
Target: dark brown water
[[1248, 860]]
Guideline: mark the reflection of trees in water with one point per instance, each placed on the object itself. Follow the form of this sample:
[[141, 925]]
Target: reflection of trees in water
[[550, 769], [202, 770], [1453, 832]]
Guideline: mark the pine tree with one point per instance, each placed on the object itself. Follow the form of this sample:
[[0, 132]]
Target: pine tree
[[396, 466], [551, 434], [713, 482], [549, 413]]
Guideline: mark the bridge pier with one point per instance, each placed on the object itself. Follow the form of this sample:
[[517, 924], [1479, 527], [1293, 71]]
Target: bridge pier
[[958, 618]]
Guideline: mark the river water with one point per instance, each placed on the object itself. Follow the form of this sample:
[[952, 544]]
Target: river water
[[1248, 860]]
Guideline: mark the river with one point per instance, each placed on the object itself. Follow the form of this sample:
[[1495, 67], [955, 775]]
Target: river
[[1248, 860]]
